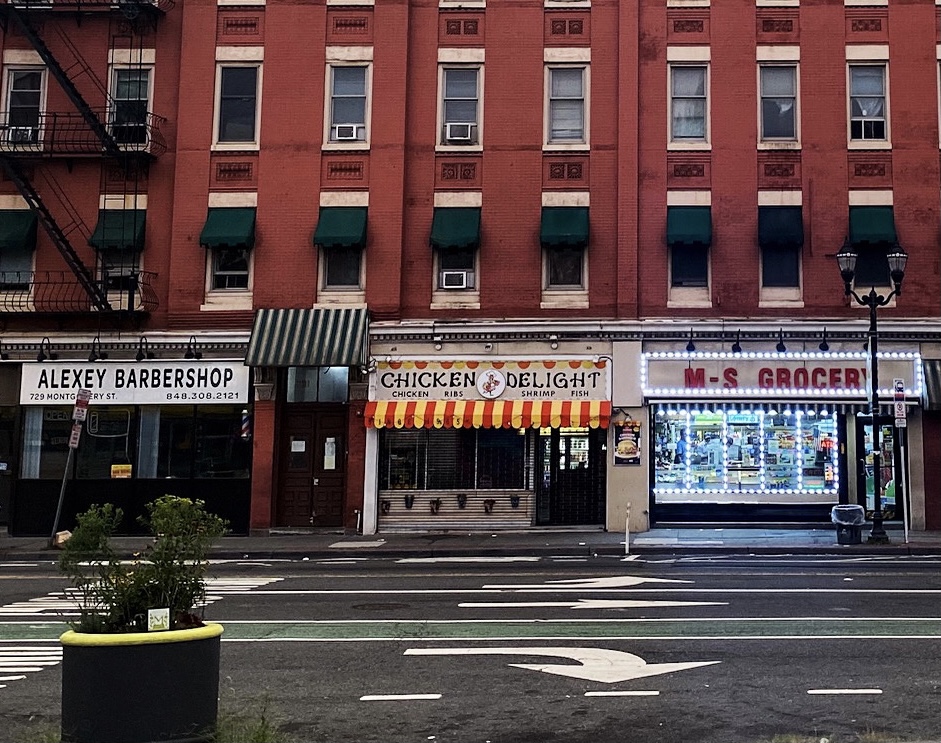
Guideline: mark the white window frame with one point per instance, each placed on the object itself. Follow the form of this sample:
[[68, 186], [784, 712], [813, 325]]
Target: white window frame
[[113, 77], [868, 144], [567, 144], [689, 296], [340, 294], [441, 143], [9, 71], [367, 85], [779, 143], [225, 145], [346, 56], [690, 143]]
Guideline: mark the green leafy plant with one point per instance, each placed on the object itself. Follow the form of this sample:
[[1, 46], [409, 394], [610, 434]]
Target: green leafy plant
[[114, 595]]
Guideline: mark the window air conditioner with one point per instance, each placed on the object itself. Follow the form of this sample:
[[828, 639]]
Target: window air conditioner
[[22, 135], [454, 279], [346, 131], [459, 132]]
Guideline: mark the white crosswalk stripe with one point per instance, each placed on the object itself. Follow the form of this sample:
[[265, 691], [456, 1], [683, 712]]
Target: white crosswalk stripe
[[16, 661]]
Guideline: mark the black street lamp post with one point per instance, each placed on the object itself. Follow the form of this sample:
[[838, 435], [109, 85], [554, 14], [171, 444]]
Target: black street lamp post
[[897, 259]]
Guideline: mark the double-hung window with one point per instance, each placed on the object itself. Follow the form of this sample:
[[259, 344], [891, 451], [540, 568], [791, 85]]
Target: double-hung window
[[238, 104], [460, 105], [348, 103], [688, 103], [130, 94], [778, 85], [867, 85], [24, 105], [566, 105], [230, 268]]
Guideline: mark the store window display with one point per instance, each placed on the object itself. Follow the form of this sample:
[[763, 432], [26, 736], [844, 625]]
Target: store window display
[[752, 451]]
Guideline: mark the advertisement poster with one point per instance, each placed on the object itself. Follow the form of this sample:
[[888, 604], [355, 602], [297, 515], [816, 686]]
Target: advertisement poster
[[627, 444]]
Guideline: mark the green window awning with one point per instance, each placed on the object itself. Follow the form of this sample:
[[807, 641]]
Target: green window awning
[[341, 227], [119, 229], [689, 225], [872, 224], [309, 337], [17, 230], [455, 227], [780, 225], [229, 227], [564, 226]]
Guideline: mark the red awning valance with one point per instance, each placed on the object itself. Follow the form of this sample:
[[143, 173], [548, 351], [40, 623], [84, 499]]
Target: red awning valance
[[487, 414]]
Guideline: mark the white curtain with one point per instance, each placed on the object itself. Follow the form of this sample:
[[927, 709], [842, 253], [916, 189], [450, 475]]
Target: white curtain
[[689, 102], [32, 443]]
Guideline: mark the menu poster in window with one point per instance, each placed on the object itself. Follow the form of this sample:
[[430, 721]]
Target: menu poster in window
[[627, 444]]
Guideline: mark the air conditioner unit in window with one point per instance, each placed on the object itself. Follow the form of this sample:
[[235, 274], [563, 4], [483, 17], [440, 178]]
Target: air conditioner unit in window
[[22, 135], [346, 132], [454, 279], [459, 132]]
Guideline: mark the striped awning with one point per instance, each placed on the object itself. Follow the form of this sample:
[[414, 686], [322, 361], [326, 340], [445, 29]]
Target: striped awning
[[309, 337], [487, 414]]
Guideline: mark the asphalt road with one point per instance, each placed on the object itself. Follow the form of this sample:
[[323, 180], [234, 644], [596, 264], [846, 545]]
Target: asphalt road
[[531, 650]]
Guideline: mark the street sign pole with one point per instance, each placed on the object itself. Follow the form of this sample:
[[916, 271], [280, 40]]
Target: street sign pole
[[901, 425], [79, 413]]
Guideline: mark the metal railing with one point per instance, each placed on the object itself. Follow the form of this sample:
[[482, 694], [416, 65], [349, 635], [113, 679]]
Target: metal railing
[[68, 133], [47, 292]]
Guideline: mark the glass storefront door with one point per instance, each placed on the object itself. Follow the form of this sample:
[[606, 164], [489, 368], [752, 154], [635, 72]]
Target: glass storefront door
[[891, 467]]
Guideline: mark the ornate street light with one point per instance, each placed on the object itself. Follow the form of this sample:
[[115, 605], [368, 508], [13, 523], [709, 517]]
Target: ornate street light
[[897, 258]]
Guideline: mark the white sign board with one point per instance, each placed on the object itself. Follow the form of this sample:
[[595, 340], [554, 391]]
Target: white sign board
[[130, 383]]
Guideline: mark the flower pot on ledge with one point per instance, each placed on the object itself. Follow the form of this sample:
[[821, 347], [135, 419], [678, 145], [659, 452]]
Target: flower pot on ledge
[[141, 687]]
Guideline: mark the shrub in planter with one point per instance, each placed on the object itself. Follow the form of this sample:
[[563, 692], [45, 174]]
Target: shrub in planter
[[121, 682]]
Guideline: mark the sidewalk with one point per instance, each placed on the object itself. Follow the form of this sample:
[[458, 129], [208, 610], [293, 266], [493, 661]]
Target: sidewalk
[[334, 544]]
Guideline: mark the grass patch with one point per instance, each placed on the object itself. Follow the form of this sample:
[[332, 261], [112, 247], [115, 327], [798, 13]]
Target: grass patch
[[249, 726]]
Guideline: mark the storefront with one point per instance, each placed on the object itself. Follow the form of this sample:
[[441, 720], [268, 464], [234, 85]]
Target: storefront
[[773, 437], [152, 428], [488, 444]]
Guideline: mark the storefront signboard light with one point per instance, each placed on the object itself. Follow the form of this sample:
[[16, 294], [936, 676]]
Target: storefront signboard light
[[155, 383], [813, 375], [485, 380]]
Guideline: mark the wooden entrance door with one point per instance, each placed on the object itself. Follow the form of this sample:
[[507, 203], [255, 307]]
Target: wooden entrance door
[[313, 466]]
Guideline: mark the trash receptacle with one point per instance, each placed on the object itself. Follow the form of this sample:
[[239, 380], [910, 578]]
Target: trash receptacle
[[849, 520]]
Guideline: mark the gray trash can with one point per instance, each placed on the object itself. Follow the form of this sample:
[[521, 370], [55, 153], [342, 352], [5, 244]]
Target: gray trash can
[[849, 520]]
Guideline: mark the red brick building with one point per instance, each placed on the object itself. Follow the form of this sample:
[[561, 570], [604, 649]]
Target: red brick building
[[462, 264]]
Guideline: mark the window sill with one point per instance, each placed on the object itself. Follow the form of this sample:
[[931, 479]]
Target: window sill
[[771, 145], [351, 146], [566, 3], [564, 300], [682, 296], [220, 300], [452, 148], [868, 144], [462, 3], [334, 297], [235, 147], [780, 303], [573, 147], [689, 146]]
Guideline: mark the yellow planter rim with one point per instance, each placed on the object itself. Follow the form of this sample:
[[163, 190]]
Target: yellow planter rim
[[85, 639]]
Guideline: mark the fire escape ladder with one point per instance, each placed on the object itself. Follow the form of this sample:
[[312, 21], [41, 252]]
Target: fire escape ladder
[[109, 145], [94, 290]]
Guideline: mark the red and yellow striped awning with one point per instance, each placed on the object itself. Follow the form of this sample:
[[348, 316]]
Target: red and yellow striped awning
[[487, 413]]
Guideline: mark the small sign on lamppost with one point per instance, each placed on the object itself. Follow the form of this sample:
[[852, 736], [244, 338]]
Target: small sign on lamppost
[[901, 414]]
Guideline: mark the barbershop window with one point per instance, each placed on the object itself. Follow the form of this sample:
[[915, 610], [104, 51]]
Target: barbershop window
[[159, 442], [452, 459]]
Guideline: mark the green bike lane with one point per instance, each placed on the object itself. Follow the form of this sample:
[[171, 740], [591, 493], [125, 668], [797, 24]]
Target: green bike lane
[[375, 630]]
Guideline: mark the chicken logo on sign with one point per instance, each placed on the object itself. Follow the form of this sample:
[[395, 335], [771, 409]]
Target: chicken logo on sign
[[491, 384]]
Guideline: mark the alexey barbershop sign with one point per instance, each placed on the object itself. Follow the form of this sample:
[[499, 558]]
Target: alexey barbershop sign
[[801, 374], [492, 380]]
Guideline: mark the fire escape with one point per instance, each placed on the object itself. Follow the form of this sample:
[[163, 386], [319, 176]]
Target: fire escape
[[123, 135]]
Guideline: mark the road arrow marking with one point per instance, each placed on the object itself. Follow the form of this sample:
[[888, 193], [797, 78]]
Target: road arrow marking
[[583, 584], [589, 604], [597, 664]]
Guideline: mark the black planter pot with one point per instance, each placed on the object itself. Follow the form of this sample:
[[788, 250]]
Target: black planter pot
[[145, 687]]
